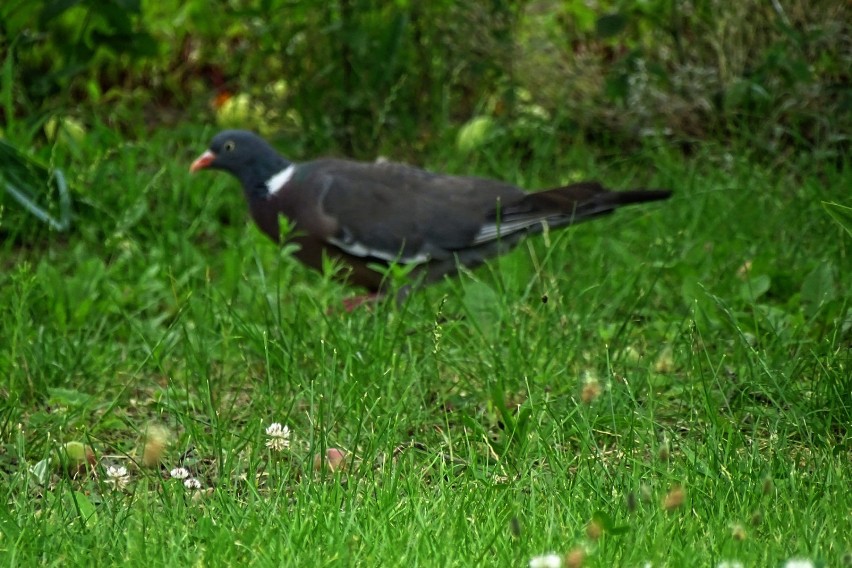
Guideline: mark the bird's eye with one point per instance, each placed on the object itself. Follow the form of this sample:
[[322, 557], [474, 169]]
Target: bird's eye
[[229, 145]]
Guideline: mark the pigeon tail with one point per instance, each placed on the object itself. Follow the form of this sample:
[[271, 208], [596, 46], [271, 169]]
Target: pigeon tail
[[579, 201]]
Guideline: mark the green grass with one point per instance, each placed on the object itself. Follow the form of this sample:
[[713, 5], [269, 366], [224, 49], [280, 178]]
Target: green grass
[[701, 343]]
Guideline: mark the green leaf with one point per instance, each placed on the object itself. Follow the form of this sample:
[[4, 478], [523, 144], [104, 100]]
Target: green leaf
[[53, 10], [68, 397], [841, 214], [130, 6], [705, 312], [610, 25], [617, 84], [777, 320], [40, 472], [847, 321], [116, 17], [24, 178], [84, 507], [755, 287], [818, 288]]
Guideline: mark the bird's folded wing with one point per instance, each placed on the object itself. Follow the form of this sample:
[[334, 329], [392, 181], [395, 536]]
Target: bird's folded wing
[[401, 214]]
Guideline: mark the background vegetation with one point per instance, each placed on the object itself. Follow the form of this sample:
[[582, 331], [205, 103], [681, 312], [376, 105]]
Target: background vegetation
[[668, 385], [364, 76]]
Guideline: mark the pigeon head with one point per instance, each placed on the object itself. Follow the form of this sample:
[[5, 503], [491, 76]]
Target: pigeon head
[[244, 155]]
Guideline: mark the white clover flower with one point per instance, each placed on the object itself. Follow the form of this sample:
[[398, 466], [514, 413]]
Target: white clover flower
[[799, 563], [191, 483], [179, 473], [279, 437], [117, 476], [551, 560], [116, 471], [276, 429], [730, 564]]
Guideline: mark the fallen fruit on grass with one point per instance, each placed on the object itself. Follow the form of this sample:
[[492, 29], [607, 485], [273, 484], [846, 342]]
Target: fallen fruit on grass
[[334, 460], [75, 455], [475, 133]]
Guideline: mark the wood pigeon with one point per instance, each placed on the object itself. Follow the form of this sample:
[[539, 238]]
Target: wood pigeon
[[367, 213]]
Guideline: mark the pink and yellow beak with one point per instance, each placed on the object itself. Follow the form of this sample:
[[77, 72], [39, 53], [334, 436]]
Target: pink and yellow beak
[[203, 161]]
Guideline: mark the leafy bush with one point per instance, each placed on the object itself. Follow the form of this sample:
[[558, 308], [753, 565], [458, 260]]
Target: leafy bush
[[363, 76], [68, 50], [695, 70]]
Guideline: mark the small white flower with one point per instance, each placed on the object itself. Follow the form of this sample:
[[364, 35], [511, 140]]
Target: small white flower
[[179, 473], [117, 476], [730, 564], [551, 560], [276, 429], [191, 483], [279, 437], [799, 563], [117, 471]]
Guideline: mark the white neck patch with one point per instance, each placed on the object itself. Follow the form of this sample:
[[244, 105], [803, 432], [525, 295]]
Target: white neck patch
[[277, 182]]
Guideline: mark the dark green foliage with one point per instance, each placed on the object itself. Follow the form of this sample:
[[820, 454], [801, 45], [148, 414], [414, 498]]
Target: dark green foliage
[[59, 44], [376, 76], [700, 70], [31, 184]]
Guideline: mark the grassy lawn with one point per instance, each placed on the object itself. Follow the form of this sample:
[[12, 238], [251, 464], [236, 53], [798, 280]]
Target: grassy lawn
[[669, 385]]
